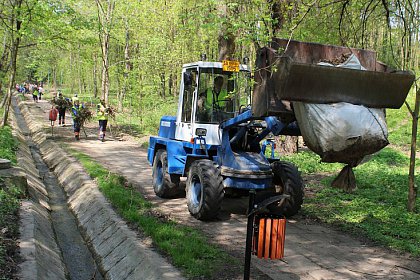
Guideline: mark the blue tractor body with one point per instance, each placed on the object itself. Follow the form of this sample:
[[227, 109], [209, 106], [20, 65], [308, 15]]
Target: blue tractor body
[[240, 169], [217, 151]]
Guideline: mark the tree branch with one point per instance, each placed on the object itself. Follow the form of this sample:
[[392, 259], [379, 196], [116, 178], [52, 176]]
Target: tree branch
[[343, 9], [310, 6]]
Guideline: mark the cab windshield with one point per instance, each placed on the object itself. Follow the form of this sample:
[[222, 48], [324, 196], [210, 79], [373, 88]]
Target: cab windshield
[[221, 95]]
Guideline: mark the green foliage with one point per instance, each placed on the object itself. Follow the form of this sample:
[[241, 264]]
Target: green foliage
[[9, 228], [377, 208], [146, 119], [309, 162], [64, 43], [8, 144], [9, 203], [400, 123], [187, 248]]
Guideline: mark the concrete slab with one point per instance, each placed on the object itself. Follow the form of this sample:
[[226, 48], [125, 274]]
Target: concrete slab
[[5, 163]]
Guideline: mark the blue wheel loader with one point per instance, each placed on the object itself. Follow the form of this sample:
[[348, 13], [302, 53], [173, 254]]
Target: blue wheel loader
[[224, 115]]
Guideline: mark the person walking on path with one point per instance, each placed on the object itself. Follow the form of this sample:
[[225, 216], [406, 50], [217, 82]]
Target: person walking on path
[[61, 107], [41, 91], [35, 94], [75, 99], [75, 113], [102, 112]]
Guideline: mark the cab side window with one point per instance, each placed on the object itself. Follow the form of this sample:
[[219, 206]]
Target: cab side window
[[189, 88]]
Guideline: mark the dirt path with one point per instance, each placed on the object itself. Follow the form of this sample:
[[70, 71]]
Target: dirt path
[[312, 251]]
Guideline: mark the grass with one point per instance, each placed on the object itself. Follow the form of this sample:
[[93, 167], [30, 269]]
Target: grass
[[186, 247], [8, 145], [399, 124], [376, 209], [9, 205]]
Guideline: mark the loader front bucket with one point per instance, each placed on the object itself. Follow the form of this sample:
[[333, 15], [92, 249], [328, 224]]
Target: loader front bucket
[[289, 77]]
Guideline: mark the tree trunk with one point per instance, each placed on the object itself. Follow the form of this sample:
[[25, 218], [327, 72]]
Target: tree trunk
[[226, 39], [79, 71], [105, 67], [5, 55], [95, 76], [412, 188], [105, 20], [128, 67], [279, 12], [170, 84], [54, 77], [287, 145], [162, 85], [71, 71], [15, 47]]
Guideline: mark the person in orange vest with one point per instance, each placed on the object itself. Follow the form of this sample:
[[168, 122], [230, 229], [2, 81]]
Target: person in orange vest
[[53, 115]]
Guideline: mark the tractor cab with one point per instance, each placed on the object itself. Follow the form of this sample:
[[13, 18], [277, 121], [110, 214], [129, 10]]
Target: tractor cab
[[210, 94]]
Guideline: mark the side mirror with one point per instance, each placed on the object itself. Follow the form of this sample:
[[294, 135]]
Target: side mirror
[[187, 79]]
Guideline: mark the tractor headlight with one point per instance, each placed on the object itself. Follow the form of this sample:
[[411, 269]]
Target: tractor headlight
[[201, 132]]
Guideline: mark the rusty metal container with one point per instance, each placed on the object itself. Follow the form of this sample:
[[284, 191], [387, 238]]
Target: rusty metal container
[[288, 71]]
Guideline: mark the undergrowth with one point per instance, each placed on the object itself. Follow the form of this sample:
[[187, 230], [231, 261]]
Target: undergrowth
[[9, 206], [376, 209]]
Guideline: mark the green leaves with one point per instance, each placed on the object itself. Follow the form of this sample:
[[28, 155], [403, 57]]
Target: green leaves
[[8, 144]]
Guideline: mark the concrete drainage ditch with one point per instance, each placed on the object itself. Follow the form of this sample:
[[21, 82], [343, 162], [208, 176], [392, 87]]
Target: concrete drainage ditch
[[76, 255], [57, 222]]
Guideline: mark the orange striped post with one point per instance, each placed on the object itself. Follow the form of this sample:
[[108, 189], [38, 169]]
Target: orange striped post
[[269, 237], [265, 234]]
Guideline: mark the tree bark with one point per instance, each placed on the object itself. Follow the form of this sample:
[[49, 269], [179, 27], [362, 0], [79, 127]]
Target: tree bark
[[128, 67], [15, 19], [105, 20], [105, 67], [287, 145], [95, 76], [279, 12], [5, 55], [412, 188], [79, 70], [226, 39], [54, 77], [71, 71]]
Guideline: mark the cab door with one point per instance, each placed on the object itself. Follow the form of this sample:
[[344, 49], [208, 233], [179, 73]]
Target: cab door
[[184, 127]]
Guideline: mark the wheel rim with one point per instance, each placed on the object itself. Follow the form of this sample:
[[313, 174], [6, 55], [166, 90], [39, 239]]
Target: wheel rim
[[195, 191]]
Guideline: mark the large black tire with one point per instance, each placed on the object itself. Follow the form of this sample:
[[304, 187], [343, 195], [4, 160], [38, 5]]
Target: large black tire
[[204, 190], [164, 184], [286, 180]]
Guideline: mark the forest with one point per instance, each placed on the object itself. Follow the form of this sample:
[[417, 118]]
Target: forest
[[131, 52]]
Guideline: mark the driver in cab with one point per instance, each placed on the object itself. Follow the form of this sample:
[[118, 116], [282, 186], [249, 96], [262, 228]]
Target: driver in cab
[[214, 100]]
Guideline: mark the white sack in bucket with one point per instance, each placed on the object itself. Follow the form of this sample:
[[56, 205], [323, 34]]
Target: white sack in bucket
[[342, 132]]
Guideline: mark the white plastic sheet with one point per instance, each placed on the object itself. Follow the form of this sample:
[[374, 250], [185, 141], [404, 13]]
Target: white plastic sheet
[[342, 132]]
